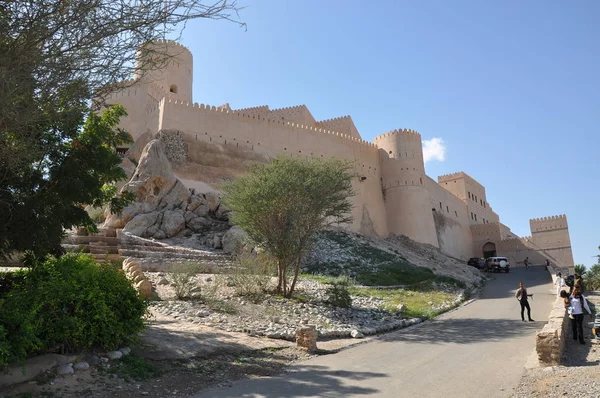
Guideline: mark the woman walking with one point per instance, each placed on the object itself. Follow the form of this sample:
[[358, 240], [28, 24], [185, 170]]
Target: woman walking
[[522, 297], [578, 303]]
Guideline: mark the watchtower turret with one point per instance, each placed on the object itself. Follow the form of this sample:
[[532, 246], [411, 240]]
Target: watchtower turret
[[407, 201], [170, 66]]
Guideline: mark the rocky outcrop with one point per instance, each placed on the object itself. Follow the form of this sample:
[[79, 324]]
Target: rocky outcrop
[[165, 208]]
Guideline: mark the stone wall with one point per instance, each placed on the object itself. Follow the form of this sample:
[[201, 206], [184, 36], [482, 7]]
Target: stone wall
[[550, 341]]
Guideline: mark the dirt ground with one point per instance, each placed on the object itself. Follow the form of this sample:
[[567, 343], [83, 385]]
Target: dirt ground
[[177, 358]]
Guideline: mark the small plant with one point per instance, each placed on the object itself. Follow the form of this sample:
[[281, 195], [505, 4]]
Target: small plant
[[183, 279], [97, 214], [136, 368], [253, 274], [338, 294]]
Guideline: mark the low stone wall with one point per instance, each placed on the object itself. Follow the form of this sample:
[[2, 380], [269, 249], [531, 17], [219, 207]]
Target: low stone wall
[[550, 341]]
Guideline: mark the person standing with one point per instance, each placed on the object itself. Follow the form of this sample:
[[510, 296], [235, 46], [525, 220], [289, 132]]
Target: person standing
[[522, 296], [547, 264], [526, 262], [578, 303], [559, 283]]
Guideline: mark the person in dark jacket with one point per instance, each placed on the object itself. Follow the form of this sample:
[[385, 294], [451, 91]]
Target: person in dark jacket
[[522, 296]]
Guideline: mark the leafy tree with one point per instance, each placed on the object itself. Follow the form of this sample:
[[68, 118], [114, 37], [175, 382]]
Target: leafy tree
[[284, 203], [580, 269], [48, 195], [58, 58]]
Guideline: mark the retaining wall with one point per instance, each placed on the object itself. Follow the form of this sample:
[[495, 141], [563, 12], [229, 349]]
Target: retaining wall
[[550, 341]]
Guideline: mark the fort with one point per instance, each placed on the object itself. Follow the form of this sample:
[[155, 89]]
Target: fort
[[208, 144]]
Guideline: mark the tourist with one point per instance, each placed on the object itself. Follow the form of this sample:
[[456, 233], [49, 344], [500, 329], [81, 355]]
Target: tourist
[[526, 262], [578, 284], [577, 303], [559, 283], [522, 297], [547, 264]]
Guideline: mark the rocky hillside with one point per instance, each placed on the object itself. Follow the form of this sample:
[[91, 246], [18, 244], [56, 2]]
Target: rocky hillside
[[339, 252]]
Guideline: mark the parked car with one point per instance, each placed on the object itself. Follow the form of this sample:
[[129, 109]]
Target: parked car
[[476, 262], [498, 264]]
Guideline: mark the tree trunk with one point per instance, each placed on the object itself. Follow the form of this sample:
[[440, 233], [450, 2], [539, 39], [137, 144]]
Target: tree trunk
[[280, 277], [296, 272], [284, 278]]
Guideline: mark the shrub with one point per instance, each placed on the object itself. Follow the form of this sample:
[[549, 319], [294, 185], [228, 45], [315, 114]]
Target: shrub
[[253, 273], [337, 292], [69, 303], [182, 278]]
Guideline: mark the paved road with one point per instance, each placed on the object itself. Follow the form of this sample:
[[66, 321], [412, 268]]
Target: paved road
[[478, 350]]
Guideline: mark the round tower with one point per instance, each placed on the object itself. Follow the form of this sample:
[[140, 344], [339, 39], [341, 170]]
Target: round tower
[[169, 65], [407, 200]]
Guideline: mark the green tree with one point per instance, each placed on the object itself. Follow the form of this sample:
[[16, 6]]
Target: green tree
[[58, 58], [283, 204], [48, 195], [580, 269]]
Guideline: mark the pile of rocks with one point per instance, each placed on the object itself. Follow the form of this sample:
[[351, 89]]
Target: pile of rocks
[[275, 317], [91, 360]]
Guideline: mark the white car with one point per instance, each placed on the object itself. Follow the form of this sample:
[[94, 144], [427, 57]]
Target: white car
[[497, 264]]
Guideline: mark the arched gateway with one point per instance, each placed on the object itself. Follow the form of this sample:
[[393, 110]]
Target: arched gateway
[[489, 250]]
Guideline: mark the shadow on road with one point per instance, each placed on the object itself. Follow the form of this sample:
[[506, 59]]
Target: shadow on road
[[301, 381], [505, 285], [465, 331]]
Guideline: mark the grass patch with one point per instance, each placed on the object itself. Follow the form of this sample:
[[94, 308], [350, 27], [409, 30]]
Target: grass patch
[[132, 367], [419, 303]]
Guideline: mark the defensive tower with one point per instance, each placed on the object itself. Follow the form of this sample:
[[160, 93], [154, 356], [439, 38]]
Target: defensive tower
[[407, 201], [551, 236], [175, 75]]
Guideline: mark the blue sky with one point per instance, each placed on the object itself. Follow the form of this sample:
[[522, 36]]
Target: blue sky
[[510, 87]]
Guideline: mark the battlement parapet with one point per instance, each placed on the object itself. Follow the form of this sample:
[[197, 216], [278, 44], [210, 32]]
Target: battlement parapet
[[335, 119], [172, 43], [452, 176], [548, 223], [287, 108], [203, 107], [253, 108], [405, 132], [550, 218]]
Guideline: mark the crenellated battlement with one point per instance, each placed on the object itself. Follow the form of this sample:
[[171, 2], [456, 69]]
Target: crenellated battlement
[[548, 223], [253, 108], [238, 114], [173, 43], [406, 132], [335, 119], [289, 108], [544, 219], [452, 176]]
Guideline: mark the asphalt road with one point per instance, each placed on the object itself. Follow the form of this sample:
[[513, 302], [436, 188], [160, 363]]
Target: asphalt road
[[478, 350]]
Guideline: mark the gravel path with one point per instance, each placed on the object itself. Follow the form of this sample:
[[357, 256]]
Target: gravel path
[[579, 376]]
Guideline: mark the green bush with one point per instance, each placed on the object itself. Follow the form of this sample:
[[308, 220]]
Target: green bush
[[338, 294], [68, 304]]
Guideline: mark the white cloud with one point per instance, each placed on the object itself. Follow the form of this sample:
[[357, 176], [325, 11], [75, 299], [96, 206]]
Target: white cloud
[[434, 149]]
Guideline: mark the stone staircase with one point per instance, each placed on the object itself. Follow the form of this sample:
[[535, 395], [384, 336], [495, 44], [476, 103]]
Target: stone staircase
[[113, 244], [103, 246]]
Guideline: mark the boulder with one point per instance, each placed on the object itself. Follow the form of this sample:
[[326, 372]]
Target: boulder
[[140, 223], [213, 200], [222, 212], [233, 240], [173, 222], [198, 224]]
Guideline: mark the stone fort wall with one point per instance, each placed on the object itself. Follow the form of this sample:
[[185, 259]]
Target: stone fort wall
[[394, 195]]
